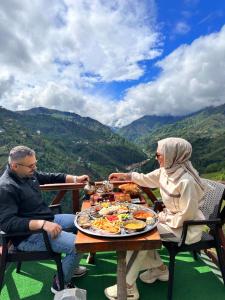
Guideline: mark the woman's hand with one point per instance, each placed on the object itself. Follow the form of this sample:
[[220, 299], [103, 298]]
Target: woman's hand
[[120, 177], [162, 217]]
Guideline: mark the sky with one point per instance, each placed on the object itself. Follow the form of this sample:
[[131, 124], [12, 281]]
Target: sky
[[112, 60]]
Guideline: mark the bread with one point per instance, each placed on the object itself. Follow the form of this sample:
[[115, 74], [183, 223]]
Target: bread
[[130, 188]]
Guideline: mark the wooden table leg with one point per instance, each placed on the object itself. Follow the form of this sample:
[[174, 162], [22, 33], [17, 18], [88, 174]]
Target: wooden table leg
[[75, 200], [121, 275]]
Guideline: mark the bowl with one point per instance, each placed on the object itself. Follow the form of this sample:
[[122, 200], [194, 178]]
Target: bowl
[[134, 225], [142, 214]]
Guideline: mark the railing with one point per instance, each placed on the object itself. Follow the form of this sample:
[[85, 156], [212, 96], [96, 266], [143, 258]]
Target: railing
[[75, 188], [62, 189]]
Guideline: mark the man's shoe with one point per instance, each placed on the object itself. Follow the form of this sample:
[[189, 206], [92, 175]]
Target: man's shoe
[[152, 275], [79, 271], [132, 293], [55, 285]]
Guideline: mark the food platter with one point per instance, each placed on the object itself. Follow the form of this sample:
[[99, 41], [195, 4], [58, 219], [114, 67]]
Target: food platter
[[116, 220]]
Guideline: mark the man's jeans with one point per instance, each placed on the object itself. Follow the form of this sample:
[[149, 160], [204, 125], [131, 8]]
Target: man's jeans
[[64, 243]]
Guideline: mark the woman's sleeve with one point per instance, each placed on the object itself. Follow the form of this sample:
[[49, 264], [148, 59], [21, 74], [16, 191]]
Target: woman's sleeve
[[191, 194], [150, 180]]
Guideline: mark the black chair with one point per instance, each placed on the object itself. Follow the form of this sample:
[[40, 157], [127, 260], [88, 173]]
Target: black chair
[[11, 254], [211, 209]]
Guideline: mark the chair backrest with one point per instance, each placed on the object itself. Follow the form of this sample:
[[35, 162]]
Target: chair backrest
[[212, 199]]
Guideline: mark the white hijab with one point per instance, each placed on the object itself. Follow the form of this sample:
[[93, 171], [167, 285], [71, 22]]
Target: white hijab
[[177, 152]]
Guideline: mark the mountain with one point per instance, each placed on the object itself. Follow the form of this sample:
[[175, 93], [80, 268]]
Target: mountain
[[66, 142], [205, 130], [145, 125], [68, 116]]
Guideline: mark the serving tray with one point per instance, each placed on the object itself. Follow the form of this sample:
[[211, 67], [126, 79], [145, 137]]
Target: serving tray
[[91, 213]]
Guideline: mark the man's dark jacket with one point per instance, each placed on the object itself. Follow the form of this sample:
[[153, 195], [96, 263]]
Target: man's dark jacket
[[21, 200]]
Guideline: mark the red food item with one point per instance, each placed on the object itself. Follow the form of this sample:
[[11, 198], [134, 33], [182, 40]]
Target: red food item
[[112, 218]]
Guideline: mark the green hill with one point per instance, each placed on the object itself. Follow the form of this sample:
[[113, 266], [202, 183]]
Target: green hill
[[204, 129], [66, 142], [145, 125]]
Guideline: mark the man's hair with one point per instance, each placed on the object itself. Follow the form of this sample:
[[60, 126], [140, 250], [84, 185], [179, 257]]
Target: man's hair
[[19, 152]]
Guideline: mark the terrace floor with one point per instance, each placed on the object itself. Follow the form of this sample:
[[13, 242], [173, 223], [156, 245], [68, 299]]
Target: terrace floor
[[193, 280]]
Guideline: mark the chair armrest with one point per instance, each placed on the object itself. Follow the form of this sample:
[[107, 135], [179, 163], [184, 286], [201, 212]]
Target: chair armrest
[[14, 234], [6, 237], [202, 222], [196, 222]]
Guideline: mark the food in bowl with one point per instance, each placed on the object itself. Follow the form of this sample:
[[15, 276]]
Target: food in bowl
[[142, 214], [123, 216], [150, 220], [84, 221], [112, 218], [134, 225]]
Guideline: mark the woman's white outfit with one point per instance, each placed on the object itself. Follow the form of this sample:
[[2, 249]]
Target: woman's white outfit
[[182, 190]]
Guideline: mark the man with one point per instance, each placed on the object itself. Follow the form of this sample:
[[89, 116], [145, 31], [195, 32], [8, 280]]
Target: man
[[22, 208]]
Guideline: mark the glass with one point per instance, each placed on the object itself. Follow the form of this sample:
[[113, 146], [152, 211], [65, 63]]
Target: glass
[[32, 166]]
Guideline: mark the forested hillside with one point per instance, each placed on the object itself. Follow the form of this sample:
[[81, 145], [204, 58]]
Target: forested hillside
[[204, 129], [145, 125], [66, 142]]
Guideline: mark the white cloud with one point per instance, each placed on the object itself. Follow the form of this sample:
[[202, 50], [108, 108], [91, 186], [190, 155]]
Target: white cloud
[[56, 50], [192, 77], [54, 53]]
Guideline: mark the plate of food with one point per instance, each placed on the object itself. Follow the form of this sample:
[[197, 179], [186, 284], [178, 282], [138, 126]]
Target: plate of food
[[115, 220]]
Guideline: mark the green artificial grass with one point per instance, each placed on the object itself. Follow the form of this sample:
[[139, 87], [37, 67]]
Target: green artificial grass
[[193, 280]]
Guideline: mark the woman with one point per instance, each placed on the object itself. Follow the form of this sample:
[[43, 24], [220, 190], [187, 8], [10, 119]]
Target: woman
[[181, 190]]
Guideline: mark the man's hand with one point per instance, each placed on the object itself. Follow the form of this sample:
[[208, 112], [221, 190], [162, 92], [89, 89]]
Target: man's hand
[[82, 178], [77, 179], [52, 228]]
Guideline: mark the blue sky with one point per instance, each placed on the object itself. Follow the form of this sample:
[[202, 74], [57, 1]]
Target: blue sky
[[114, 60], [180, 22]]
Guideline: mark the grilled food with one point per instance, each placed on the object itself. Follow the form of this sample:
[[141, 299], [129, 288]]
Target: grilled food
[[130, 188]]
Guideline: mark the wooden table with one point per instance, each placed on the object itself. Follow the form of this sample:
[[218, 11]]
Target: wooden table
[[88, 243]]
